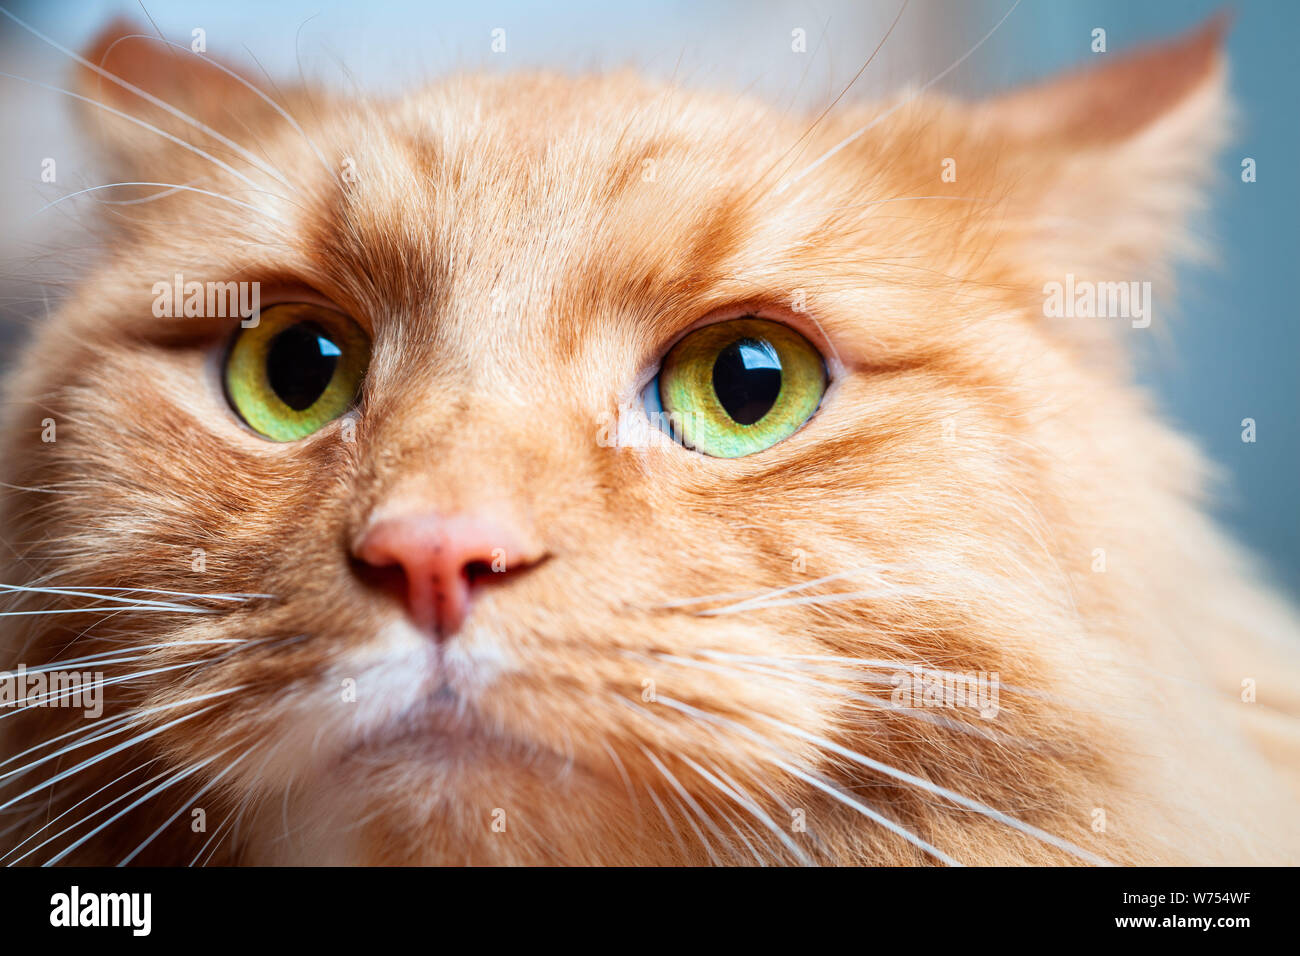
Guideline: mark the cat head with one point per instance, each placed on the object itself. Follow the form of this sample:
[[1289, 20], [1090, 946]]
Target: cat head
[[591, 470]]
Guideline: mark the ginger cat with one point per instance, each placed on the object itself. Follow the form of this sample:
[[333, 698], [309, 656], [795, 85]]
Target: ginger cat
[[588, 471]]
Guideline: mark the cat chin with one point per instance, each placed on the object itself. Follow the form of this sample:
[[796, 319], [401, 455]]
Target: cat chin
[[398, 695], [442, 791], [421, 763]]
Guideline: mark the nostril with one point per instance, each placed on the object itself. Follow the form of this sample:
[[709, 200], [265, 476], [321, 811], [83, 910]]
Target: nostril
[[389, 578], [478, 571]]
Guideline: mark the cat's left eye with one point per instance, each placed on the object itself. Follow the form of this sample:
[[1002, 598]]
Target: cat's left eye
[[737, 387], [297, 370]]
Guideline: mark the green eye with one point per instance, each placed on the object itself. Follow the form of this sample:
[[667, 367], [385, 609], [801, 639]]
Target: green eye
[[738, 387], [296, 371]]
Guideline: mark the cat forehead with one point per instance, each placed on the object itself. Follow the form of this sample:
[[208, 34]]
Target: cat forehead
[[544, 113], [556, 192], [612, 172], [493, 215], [532, 157]]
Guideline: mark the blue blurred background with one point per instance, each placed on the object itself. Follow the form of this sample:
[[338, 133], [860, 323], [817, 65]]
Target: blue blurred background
[[1234, 345]]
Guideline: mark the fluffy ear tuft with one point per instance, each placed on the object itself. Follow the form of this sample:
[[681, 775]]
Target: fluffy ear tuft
[[1105, 165], [1117, 99], [142, 79]]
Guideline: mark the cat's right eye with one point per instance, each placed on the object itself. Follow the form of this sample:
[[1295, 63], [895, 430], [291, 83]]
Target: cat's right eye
[[296, 371]]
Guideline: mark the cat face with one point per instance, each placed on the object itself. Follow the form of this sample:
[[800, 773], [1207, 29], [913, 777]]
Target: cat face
[[478, 606]]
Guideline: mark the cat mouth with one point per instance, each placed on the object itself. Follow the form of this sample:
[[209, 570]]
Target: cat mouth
[[446, 729]]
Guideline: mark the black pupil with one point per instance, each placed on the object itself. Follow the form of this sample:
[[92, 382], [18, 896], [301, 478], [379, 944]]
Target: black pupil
[[747, 379], [300, 365]]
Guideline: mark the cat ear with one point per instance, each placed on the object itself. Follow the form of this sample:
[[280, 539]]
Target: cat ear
[[139, 80], [1105, 164]]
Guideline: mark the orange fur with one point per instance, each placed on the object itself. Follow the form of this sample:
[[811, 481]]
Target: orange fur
[[970, 457]]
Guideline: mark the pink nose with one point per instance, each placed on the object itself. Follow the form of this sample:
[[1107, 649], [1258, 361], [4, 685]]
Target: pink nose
[[441, 562]]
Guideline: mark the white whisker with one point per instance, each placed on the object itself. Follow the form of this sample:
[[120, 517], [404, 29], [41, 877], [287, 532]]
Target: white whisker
[[835, 597], [106, 657], [90, 816], [254, 89], [148, 97], [175, 188], [83, 610], [172, 819], [117, 749], [937, 790], [182, 775], [220, 164], [690, 802], [860, 131], [43, 700], [826, 787], [752, 806]]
